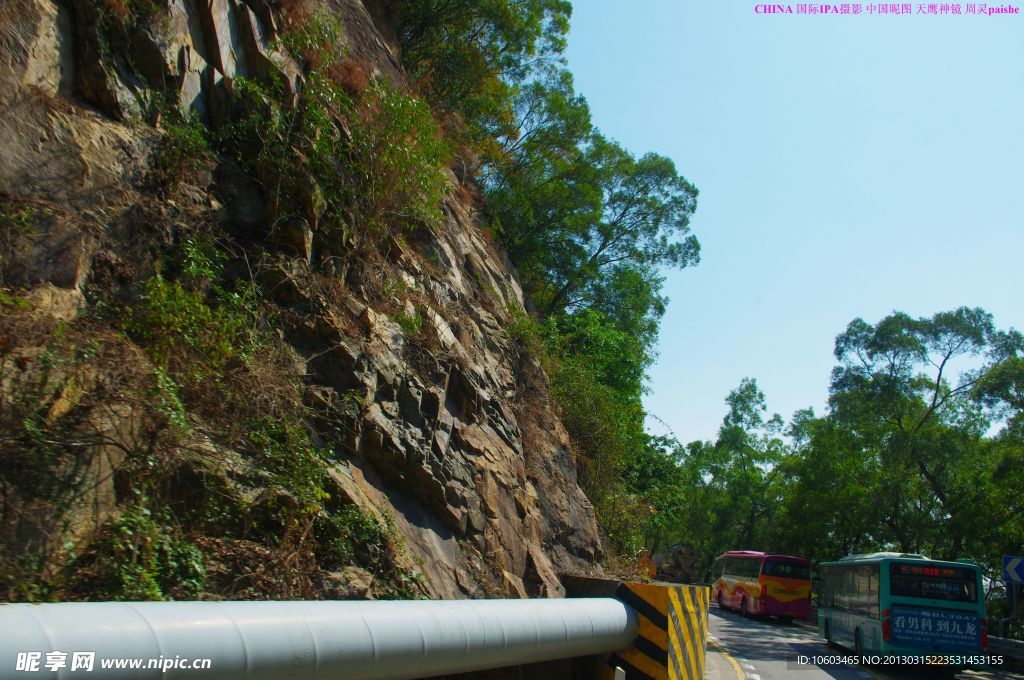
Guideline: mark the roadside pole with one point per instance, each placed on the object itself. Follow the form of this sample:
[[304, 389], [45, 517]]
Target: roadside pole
[[1013, 576]]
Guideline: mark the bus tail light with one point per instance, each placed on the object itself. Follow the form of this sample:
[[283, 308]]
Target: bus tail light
[[984, 635], [886, 626]]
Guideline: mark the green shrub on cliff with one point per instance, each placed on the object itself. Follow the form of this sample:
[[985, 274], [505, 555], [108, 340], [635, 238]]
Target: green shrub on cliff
[[360, 167], [139, 556], [221, 375], [182, 328], [183, 146], [397, 157]]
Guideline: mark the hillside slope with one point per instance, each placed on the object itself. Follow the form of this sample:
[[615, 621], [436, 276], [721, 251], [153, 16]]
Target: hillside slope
[[223, 375]]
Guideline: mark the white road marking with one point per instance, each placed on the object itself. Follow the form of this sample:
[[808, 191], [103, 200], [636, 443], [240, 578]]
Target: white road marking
[[748, 667], [753, 676]]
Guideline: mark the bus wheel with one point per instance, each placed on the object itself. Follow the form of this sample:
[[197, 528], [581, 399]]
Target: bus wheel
[[828, 634], [743, 607], [858, 645]]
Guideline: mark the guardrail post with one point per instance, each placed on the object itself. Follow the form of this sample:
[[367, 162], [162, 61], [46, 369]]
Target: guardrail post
[[672, 639]]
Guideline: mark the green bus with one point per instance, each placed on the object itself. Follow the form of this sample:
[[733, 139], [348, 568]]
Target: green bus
[[904, 605]]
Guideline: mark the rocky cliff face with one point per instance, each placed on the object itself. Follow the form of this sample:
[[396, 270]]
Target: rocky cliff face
[[402, 368]]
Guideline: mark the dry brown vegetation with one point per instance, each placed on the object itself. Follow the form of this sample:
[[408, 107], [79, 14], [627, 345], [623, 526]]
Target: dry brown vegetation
[[351, 74]]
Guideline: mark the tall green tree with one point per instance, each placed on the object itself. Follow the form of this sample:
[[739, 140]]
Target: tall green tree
[[826, 508], [907, 391], [468, 55], [539, 186], [615, 210], [732, 483], [1001, 386], [919, 451], [656, 475]]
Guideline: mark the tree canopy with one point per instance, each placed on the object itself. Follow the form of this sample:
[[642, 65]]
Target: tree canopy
[[919, 451], [468, 55]]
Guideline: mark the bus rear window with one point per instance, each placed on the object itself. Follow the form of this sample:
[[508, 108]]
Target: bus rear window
[[786, 569], [953, 584]]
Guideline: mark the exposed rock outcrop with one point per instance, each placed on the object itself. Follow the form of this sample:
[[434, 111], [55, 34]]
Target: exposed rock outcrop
[[410, 375]]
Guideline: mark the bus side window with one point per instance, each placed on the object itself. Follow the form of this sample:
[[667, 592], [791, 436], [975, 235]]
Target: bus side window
[[844, 584]]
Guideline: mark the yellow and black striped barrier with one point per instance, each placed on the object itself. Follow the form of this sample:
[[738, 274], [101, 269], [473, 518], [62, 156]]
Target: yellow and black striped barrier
[[688, 631], [672, 639]]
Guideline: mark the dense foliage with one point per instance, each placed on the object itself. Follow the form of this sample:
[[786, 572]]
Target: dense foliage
[[920, 450], [467, 56]]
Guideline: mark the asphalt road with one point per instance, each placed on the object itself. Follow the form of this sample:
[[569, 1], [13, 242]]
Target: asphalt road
[[753, 649]]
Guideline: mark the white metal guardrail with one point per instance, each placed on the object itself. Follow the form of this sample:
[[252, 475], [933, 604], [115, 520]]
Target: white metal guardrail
[[1012, 651], [302, 640]]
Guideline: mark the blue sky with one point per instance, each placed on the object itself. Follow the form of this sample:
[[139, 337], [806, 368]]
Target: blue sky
[[847, 166]]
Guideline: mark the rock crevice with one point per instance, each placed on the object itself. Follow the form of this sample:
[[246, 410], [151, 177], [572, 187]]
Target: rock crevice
[[430, 423]]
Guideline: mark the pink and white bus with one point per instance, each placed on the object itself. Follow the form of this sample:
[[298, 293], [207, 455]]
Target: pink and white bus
[[763, 584]]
